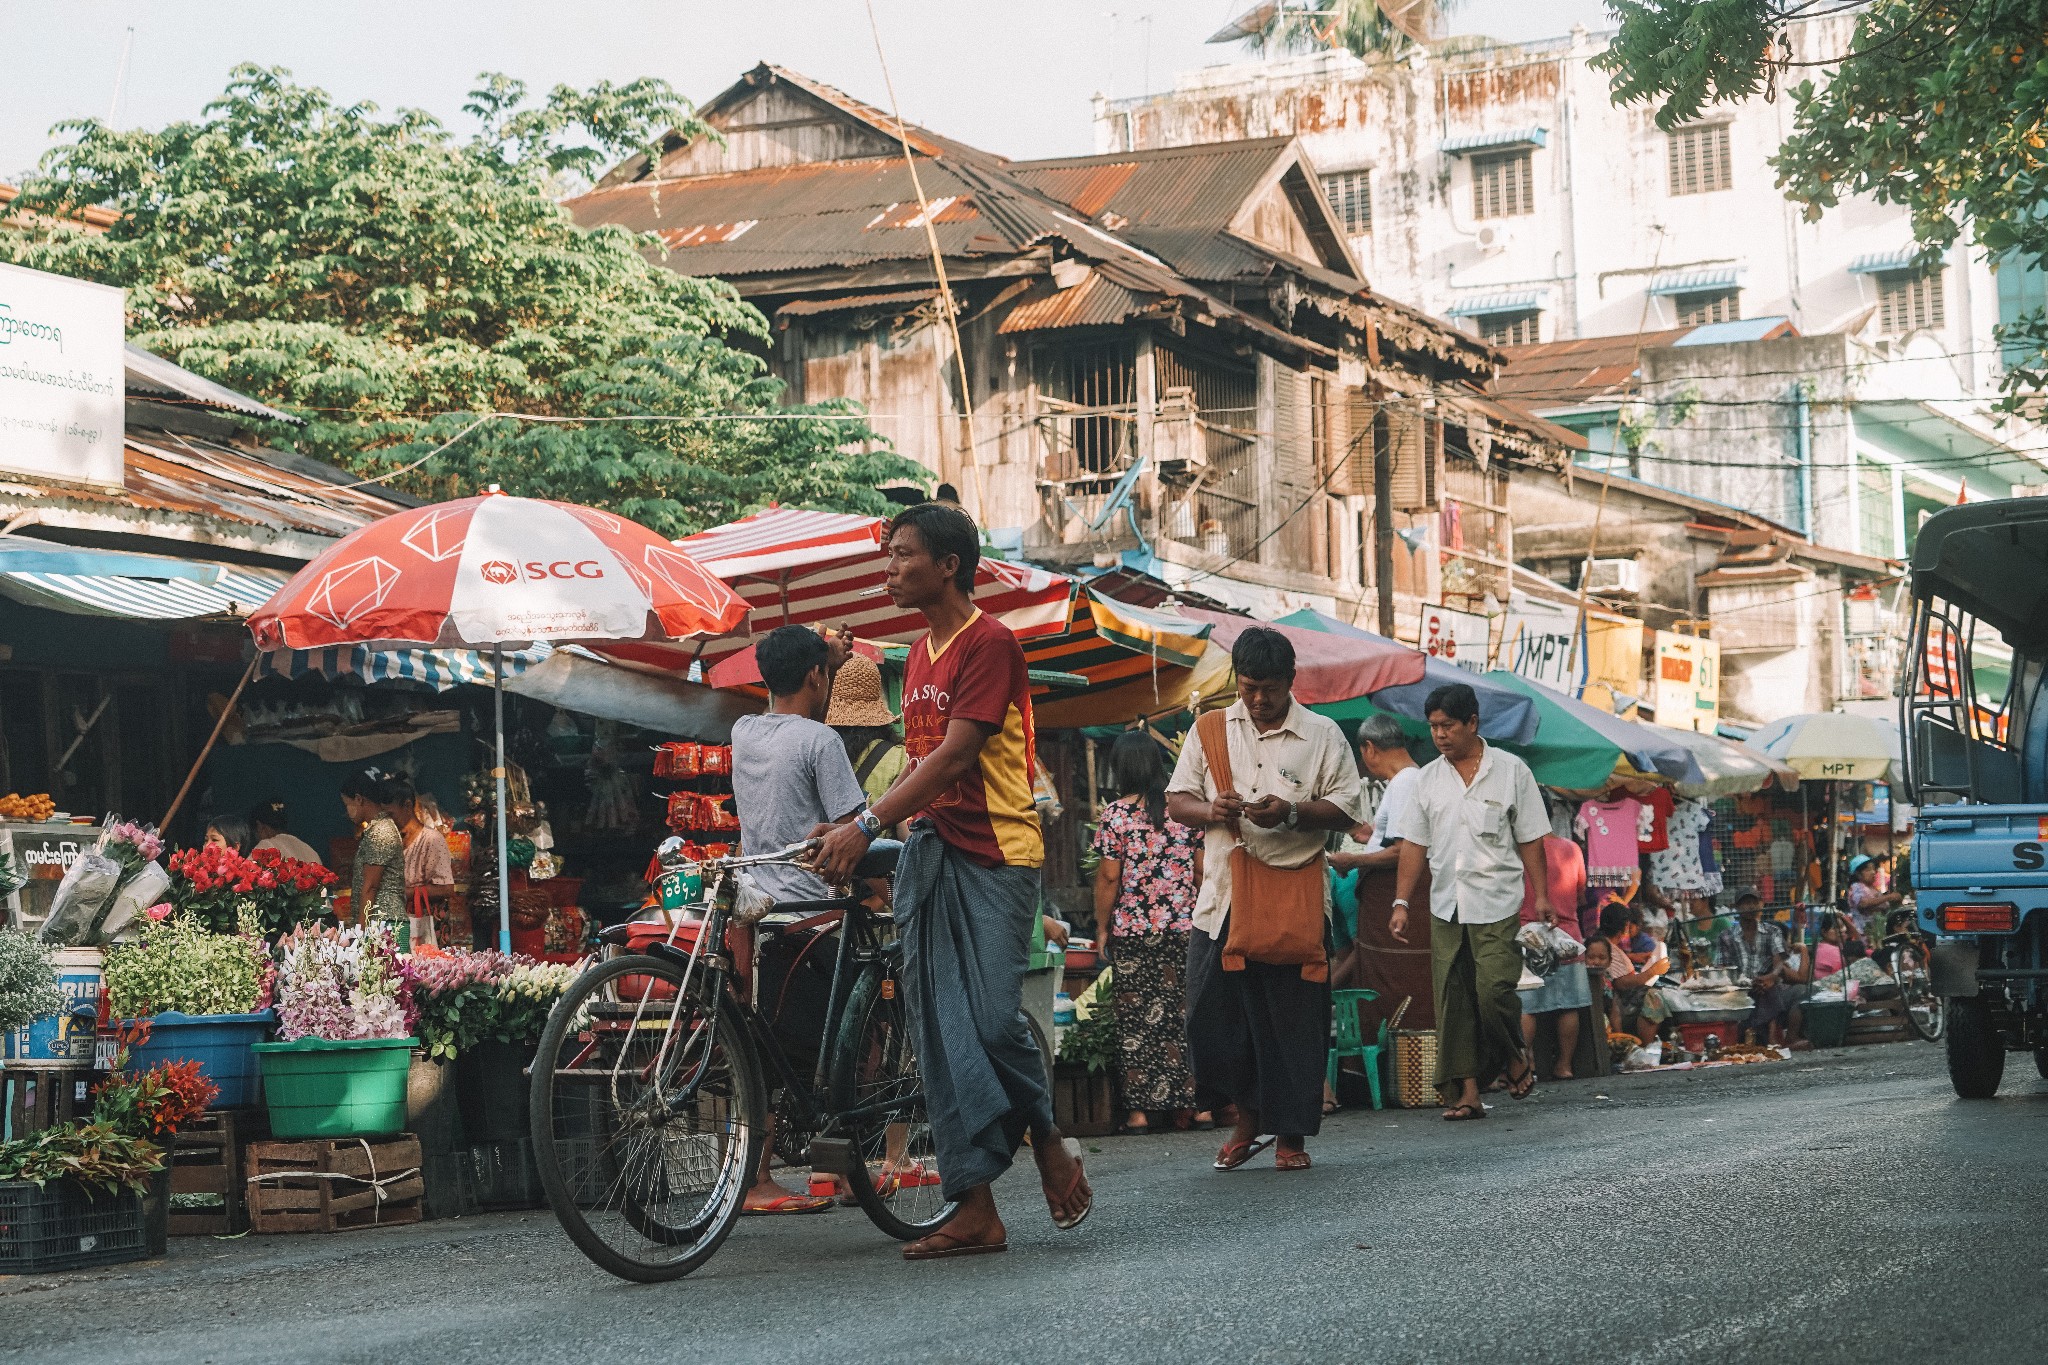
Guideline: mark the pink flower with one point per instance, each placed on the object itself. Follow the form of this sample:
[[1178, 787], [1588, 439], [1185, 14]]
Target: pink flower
[[160, 911]]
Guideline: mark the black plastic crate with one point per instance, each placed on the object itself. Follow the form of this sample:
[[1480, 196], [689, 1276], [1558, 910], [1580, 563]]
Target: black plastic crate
[[505, 1176], [65, 1226]]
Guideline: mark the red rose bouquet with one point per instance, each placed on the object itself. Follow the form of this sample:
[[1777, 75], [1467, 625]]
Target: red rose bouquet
[[221, 886]]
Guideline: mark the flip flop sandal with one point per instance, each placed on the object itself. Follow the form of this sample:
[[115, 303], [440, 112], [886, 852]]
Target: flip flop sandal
[[1235, 1154], [940, 1245], [1072, 1221], [788, 1203], [1463, 1113], [1290, 1161], [1522, 1089]]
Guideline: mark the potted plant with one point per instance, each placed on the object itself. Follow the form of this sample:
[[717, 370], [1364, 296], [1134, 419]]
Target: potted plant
[[28, 987], [345, 1014], [455, 993], [185, 993]]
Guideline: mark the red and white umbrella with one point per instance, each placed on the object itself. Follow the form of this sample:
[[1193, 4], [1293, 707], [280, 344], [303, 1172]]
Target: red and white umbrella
[[827, 569], [495, 570]]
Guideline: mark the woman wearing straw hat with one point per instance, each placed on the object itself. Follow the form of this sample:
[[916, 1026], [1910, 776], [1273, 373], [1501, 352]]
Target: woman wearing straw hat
[[861, 715]]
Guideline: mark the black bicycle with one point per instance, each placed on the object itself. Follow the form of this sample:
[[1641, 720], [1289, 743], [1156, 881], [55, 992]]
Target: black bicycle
[[651, 1105], [1907, 951]]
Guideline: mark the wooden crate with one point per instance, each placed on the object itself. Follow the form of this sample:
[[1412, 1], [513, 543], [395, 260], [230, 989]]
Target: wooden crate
[[331, 1184], [38, 1098], [1083, 1101], [1878, 1021], [208, 1157]]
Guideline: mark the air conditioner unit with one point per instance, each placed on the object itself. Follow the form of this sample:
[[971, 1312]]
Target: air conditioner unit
[[1614, 576], [1494, 239]]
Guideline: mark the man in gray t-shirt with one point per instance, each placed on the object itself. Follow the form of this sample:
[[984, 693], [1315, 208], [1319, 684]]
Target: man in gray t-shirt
[[790, 772]]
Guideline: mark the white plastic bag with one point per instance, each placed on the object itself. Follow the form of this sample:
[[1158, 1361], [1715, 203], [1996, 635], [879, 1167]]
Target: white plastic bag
[[143, 890], [87, 886], [1648, 1057]]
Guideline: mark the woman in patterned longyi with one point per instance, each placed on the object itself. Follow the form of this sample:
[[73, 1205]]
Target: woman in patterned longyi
[[1144, 894]]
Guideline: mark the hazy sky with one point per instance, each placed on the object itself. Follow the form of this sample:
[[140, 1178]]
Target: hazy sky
[[1014, 79]]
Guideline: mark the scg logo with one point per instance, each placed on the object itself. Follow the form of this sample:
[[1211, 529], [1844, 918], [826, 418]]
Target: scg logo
[[501, 571]]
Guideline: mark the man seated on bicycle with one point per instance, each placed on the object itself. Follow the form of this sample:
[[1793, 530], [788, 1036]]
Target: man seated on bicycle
[[790, 774]]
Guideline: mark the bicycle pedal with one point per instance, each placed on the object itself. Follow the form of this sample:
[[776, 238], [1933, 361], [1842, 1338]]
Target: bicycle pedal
[[833, 1156]]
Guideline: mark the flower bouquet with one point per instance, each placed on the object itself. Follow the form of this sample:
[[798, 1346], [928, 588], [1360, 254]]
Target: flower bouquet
[[219, 885], [456, 996]]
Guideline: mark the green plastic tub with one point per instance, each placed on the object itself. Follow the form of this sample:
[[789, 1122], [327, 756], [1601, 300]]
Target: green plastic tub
[[1827, 1023], [314, 1088]]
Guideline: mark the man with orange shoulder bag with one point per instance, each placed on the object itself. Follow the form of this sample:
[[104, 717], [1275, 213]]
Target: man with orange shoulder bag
[[1267, 780]]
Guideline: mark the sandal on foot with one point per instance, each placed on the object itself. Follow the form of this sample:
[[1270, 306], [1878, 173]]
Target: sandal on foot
[[1459, 1113], [1072, 1220], [1235, 1154], [1520, 1090], [939, 1245], [788, 1203], [1290, 1160]]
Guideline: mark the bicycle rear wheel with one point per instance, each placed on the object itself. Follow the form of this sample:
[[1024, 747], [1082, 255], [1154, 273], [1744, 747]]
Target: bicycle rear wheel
[[647, 1118], [1925, 1012], [895, 1171]]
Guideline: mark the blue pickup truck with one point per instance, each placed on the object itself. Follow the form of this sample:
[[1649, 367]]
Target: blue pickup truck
[[1975, 719]]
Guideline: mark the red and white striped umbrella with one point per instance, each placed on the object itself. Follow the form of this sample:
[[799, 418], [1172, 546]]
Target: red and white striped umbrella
[[497, 569], [827, 569]]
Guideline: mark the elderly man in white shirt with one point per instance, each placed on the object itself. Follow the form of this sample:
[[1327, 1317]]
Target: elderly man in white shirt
[[1259, 1032], [1478, 820]]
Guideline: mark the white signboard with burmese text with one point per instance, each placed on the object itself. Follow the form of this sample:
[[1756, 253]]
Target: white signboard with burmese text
[[61, 377], [1688, 682], [1456, 637]]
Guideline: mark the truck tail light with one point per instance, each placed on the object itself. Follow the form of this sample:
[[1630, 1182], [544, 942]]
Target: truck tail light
[[1978, 919]]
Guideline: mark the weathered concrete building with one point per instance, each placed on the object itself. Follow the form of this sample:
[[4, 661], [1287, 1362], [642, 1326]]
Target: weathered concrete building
[[1499, 184], [1170, 361]]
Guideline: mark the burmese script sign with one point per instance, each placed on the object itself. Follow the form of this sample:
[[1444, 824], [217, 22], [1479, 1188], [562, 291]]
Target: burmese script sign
[[61, 377]]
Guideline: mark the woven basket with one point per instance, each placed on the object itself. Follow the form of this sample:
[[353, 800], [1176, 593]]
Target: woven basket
[[530, 906], [1414, 1063]]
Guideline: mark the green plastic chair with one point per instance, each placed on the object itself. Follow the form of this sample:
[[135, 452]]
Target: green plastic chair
[[1350, 1041]]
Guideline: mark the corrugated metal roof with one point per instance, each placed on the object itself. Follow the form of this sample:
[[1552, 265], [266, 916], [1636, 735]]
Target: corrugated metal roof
[[1880, 262], [1094, 302], [1741, 329], [1560, 373], [1200, 186], [152, 376], [1500, 301]]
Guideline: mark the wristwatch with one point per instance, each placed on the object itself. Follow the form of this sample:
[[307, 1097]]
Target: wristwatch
[[1402, 903], [867, 824], [1293, 820]]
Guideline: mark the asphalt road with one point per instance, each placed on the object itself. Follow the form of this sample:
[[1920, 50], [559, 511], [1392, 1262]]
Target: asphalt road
[[1838, 1207]]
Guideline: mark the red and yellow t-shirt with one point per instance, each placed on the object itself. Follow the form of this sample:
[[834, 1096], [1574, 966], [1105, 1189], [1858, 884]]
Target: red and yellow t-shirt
[[978, 675]]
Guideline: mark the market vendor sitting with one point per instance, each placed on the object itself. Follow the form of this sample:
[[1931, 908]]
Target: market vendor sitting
[[1755, 948], [1635, 998]]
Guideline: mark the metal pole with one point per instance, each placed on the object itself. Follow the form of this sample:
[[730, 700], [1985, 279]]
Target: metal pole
[[504, 863]]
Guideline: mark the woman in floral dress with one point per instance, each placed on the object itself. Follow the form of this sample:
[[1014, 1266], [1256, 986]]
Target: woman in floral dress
[[1144, 895]]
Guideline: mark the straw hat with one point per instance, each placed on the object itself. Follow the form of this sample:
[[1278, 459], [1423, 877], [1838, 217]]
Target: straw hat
[[857, 695]]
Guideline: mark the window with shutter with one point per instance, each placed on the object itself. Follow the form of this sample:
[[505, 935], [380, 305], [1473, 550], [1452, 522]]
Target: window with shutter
[[1350, 194], [1414, 451], [1712, 305], [1699, 161], [1351, 442], [1510, 329], [1909, 301], [1503, 185]]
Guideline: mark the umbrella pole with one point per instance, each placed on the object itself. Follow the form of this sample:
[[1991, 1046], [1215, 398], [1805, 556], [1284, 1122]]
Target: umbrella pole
[[504, 865]]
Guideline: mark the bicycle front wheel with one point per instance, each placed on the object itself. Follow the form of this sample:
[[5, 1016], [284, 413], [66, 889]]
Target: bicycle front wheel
[[648, 1108], [875, 1080], [1925, 1012]]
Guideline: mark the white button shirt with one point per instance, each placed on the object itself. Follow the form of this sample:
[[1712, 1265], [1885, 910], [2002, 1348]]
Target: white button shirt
[[1303, 758], [1472, 833]]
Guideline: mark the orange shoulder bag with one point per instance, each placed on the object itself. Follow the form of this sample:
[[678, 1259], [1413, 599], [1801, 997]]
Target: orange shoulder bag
[[1276, 913]]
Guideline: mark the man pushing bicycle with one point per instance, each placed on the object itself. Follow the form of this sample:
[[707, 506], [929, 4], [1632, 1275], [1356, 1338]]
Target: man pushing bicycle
[[966, 887]]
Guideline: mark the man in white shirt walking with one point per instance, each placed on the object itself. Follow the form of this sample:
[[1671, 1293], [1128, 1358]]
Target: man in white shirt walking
[[1478, 821]]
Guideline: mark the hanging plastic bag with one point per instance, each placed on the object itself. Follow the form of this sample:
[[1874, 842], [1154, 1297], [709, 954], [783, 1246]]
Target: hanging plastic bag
[[135, 895], [87, 886]]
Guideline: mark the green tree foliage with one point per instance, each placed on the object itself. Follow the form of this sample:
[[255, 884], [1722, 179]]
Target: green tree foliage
[[1938, 106], [390, 282], [1369, 28]]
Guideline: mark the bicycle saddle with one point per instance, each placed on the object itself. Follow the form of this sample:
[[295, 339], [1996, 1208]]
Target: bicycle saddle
[[880, 859]]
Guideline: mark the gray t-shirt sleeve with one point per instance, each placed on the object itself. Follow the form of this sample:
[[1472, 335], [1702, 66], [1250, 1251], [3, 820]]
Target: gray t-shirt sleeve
[[839, 791]]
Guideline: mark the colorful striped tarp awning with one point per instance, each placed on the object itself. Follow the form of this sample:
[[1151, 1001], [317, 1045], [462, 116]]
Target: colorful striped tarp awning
[[439, 669]]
